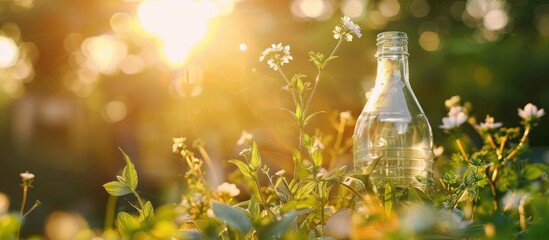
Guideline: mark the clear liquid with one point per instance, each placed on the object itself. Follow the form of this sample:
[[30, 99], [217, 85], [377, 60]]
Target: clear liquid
[[402, 142], [400, 166]]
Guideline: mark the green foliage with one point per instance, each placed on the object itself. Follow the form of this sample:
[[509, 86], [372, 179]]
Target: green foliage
[[9, 223], [233, 217]]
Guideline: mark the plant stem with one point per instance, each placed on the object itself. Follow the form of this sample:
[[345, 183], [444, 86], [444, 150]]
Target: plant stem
[[23, 202], [462, 150], [520, 145], [521, 213], [263, 202], [318, 78], [110, 212], [289, 86], [494, 192], [138, 199]]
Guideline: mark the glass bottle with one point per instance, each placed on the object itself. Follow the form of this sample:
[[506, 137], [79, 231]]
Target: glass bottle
[[393, 139]]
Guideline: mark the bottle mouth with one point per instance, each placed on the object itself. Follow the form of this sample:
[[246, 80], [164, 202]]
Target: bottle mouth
[[392, 43]]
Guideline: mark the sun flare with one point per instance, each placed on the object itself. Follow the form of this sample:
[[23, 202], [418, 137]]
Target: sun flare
[[179, 25]]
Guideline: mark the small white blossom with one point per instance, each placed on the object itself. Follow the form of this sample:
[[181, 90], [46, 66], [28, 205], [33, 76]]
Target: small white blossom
[[344, 31], [437, 152], [530, 111], [177, 143], [452, 102], [245, 137], [276, 55], [228, 189], [345, 115], [455, 118], [317, 145], [280, 173], [27, 176], [488, 124]]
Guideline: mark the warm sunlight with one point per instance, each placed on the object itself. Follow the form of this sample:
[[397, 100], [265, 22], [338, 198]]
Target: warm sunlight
[[179, 25]]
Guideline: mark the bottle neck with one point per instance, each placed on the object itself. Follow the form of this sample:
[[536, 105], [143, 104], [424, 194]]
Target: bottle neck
[[392, 69]]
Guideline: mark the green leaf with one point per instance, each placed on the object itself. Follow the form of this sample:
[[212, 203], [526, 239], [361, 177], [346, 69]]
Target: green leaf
[[298, 114], [233, 217], [296, 156], [127, 225], [244, 168], [117, 188], [316, 156], [280, 227], [508, 179], [129, 173], [147, 213], [255, 161], [534, 171], [253, 206], [305, 190], [308, 118], [389, 198]]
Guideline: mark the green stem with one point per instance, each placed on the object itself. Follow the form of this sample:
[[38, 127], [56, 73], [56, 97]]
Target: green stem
[[263, 202], [138, 199], [520, 145], [23, 202], [462, 150], [318, 78], [289, 85], [110, 211]]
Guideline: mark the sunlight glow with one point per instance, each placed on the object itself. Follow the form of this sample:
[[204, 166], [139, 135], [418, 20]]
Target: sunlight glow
[[243, 47], [179, 25], [9, 52]]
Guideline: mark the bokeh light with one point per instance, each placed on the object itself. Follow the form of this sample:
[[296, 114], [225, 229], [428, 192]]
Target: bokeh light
[[104, 53], [114, 111], [353, 8], [243, 47], [429, 41], [10, 52]]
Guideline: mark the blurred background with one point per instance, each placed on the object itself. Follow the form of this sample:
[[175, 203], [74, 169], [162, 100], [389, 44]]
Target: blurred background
[[78, 79]]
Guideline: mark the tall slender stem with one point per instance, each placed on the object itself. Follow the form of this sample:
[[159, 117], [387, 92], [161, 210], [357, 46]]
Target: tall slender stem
[[263, 202], [289, 87], [23, 202], [110, 211], [462, 150], [520, 145], [318, 78]]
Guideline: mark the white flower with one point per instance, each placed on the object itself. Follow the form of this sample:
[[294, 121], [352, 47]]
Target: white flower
[[280, 173], [27, 176], [488, 124], [244, 138], [455, 118], [453, 101], [317, 145], [530, 111], [177, 143], [344, 31], [437, 152], [228, 189], [345, 115], [347, 23], [277, 55]]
